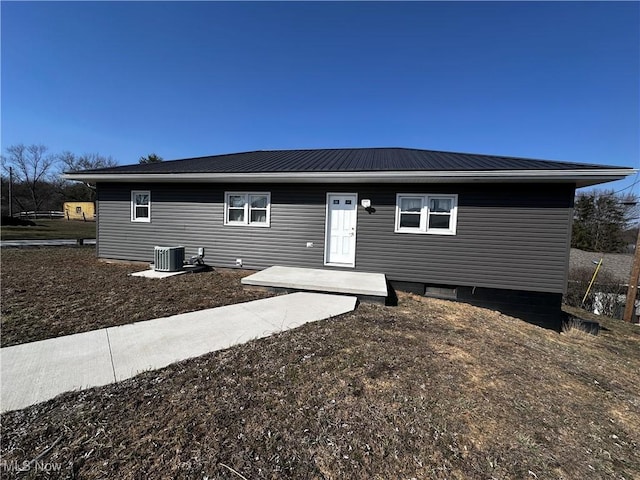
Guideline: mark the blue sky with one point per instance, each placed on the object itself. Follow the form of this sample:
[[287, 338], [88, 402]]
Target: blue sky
[[548, 80]]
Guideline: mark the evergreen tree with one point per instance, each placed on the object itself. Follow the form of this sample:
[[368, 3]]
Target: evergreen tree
[[600, 220], [151, 158]]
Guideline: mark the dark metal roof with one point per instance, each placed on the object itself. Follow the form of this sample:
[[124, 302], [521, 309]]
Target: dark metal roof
[[616, 265], [345, 160]]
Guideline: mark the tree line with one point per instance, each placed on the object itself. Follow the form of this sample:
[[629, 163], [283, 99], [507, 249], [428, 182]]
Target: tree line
[[32, 177]]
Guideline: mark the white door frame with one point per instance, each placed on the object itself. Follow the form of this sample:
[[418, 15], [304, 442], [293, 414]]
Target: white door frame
[[327, 228]]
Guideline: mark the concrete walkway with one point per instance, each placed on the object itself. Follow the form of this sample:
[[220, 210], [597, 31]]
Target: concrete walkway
[[38, 371], [45, 243]]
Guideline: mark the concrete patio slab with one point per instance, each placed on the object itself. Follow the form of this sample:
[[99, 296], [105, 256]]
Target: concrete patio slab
[[151, 273], [361, 284], [38, 371], [156, 274]]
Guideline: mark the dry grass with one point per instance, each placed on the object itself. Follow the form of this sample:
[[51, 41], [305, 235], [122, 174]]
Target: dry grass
[[50, 229], [427, 389], [49, 292]]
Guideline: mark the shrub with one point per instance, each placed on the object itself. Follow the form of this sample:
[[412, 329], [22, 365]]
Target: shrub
[[577, 327]]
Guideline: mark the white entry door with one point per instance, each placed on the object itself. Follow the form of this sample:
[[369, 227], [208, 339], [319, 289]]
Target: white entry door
[[340, 245]]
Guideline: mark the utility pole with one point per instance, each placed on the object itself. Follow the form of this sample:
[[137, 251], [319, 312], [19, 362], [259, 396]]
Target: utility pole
[[632, 290], [11, 191]]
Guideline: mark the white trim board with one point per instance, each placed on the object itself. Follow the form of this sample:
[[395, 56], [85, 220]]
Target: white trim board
[[582, 177]]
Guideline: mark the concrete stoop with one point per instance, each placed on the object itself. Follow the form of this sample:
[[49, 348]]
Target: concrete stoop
[[371, 287]]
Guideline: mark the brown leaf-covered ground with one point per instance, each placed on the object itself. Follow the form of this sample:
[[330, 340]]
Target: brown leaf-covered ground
[[49, 292], [427, 389]]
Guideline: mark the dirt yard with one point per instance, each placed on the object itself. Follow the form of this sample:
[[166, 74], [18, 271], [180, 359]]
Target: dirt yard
[[48, 292], [429, 389]]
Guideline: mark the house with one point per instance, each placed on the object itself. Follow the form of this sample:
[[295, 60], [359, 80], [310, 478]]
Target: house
[[79, 210], [489, 230], [609, 289], [615, 266]]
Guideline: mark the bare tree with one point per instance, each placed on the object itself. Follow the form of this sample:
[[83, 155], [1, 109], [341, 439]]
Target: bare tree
[[88, 161], [33, 168], [74, 163]]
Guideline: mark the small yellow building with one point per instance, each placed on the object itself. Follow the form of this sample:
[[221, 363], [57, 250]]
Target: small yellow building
[[79, 210]]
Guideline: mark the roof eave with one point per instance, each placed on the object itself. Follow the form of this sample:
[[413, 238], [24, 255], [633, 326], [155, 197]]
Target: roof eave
[[581, 178]]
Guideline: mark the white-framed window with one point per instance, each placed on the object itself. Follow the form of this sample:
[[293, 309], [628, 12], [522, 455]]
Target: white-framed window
[[426, 213], [140, 206], [247, 208]]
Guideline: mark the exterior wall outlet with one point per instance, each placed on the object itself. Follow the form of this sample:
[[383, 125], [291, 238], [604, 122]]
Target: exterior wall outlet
[[238, 262], [309, 244]]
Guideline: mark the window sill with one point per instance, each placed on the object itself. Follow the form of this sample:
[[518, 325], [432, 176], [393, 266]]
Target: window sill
[[259, 225], [430, 232]]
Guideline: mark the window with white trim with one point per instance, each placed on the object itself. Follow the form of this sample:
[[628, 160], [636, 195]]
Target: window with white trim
[[426, 213], [140, 206], [247, 208]]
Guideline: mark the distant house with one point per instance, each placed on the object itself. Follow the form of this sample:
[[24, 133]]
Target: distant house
[[616, 266], [488, 230], [79, 210], [610, 285]]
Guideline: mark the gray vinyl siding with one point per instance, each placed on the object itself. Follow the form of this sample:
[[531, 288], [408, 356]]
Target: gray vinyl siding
[[508, 236], [193, 216]]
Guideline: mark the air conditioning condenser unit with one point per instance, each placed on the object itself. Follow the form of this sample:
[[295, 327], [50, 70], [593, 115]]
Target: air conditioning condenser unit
[[168, 259]]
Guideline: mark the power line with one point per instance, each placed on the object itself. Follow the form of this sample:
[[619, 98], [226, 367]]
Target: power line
[[634, 183]]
